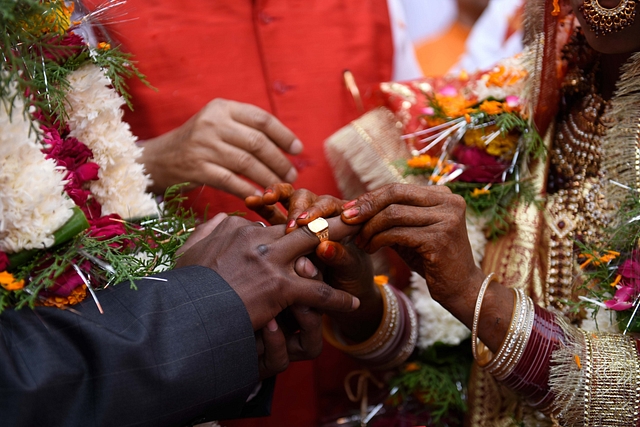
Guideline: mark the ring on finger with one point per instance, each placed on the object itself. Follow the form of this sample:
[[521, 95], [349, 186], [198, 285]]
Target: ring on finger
[[319, 227]]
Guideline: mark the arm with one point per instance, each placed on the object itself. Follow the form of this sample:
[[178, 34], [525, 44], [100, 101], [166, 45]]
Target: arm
[[161, 355]]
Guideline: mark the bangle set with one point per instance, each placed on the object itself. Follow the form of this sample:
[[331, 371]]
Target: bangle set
[[394, 340], [523, 360]]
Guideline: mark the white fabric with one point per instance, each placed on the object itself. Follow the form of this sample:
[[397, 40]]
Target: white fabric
[[486, 44], [429, 18], [405, 63]]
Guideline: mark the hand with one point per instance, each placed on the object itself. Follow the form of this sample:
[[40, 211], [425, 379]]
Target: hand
[[302, 205], [427, 227], [258, 263], [224, 140]]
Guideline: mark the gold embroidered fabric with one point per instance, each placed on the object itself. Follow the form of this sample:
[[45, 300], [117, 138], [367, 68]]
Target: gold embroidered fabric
[[596, 380]]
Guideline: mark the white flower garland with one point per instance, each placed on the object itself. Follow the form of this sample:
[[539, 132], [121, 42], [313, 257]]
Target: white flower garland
[[95, 118], [33, 204]]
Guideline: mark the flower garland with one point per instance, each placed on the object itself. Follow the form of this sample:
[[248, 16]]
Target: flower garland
[[74, 212]]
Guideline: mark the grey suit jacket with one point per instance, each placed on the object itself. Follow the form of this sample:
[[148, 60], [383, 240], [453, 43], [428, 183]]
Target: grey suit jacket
[[165, 354]]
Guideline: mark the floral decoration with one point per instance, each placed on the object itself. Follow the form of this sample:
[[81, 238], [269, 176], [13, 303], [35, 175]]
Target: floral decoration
[[75, 215]]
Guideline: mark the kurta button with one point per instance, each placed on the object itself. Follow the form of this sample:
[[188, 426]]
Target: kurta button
[[280, 87], [264, 18]]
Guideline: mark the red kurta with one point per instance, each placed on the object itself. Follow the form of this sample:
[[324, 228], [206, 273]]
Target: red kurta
[[287, 57]]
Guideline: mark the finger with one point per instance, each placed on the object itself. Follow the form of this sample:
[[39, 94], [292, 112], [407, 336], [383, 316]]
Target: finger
[[323, 206], [370, 204], [201, 231], [302, 241], [307, 343], [278, 193], [298, 205], [226, 180], [270, 213], [236, 155], [260, 146], [305, 268], [275, 358], [399, 216], [257, 118]]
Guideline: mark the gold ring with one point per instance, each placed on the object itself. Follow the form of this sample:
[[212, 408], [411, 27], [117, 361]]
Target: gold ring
[[319, 227]]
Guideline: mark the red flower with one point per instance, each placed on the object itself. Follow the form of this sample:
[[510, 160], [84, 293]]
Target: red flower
[[72, 44], [67, 281], [478, 165], [87, 172], [4, 261]]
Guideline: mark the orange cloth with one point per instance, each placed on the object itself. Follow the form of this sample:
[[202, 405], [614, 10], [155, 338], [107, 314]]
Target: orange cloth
[[287, 57], [437, 55]]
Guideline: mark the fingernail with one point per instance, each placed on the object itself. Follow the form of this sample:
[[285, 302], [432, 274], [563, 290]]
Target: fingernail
[[355, 303], [349, 204], [296, 147], [303, 215], [272, 325], [329, 252], [350, 213], [268, 191], [291, 223], [292, 175]]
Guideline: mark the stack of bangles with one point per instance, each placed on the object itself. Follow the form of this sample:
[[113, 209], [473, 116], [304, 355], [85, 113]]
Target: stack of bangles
[[393, 341], [523, 360]]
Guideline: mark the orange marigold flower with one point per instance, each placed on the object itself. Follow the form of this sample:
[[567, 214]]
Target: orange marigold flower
[[104, 46], [8, 282], [576, 359], [380, 279], [423, 161], [412, 367], [76, 296], [477, 192], [491, 107], [616, 281]]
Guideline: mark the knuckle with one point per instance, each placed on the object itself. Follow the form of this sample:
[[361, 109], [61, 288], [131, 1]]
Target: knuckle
[[244, 161], [262, 119]]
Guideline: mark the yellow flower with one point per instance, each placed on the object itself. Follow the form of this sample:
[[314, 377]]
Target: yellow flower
[[57, 19], [8, 282], [477, 192]]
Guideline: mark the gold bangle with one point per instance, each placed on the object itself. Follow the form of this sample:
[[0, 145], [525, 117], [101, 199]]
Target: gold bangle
[[476, 314], [381, 336]]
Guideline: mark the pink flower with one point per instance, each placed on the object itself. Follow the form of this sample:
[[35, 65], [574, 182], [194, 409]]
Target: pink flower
[[428, 111], [479, 166], [629, 286], [106, 227], [448, 91], [512, 101]]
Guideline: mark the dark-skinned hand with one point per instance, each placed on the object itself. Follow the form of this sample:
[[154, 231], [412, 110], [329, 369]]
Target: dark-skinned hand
[[276, 345], [344, 266], [426, 225]]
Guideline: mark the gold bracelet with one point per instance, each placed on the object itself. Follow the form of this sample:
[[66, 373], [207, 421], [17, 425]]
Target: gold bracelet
[[476, 314], [381, 336]]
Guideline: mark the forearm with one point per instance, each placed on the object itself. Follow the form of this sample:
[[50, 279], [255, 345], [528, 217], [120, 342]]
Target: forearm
[[160, 355]]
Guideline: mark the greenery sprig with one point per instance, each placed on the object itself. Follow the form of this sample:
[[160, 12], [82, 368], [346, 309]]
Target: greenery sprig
[[148, 245]]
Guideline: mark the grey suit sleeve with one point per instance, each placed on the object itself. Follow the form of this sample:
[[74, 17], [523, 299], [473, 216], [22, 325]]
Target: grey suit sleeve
[[163, 354]]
